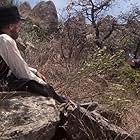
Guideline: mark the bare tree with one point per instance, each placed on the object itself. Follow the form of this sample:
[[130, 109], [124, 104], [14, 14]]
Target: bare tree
[[94, 11], [73, 40]]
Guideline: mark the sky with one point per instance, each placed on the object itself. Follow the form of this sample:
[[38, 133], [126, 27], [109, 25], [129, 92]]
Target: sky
[[60, 4], [121, 7]]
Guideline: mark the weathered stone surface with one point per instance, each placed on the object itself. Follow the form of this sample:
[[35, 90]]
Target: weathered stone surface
[[25, 9], [45, 13], [28, 118], [4, 2], [38, 118]]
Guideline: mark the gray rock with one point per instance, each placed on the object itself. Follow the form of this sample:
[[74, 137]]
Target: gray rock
[[46, 14], [38, 118], [25, 9], [6, 2], [28, 118]]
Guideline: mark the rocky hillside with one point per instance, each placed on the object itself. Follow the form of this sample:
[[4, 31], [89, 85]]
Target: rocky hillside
[[86, 63], [84, 73]]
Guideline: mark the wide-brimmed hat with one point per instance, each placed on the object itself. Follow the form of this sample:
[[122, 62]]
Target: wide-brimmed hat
[[9, 14]]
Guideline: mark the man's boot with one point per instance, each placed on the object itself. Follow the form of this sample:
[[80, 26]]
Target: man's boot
[[54, 95]]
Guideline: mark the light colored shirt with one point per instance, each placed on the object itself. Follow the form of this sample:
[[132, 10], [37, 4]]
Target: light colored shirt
[[12, 57]]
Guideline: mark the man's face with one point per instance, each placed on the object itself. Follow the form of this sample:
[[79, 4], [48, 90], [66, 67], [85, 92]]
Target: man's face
[[15, 29]]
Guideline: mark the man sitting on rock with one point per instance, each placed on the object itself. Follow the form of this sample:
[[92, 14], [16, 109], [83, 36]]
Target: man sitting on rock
[[14, 71]]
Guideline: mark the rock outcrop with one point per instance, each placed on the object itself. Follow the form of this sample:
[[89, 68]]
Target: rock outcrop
[[28, 118], [4, 2], [46, 14], [25, 9]]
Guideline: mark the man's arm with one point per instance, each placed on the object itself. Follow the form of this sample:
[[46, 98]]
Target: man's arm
[[13, 58], [37, 73], [33, 70]]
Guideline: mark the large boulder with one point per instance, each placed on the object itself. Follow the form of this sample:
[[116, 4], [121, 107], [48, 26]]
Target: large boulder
[[46, 14], [25, 9], [5, 2], [28, 118]]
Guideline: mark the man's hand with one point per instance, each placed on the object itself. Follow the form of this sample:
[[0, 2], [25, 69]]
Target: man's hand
[[41, 76]]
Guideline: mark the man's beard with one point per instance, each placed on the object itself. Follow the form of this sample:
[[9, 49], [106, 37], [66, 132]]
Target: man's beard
[[14, 34]]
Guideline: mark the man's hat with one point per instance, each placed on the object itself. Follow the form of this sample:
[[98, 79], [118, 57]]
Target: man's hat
[[8, 15]]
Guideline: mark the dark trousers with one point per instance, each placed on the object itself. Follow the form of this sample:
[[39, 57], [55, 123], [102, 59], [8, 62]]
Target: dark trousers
[[31, 86], [14, 84]]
